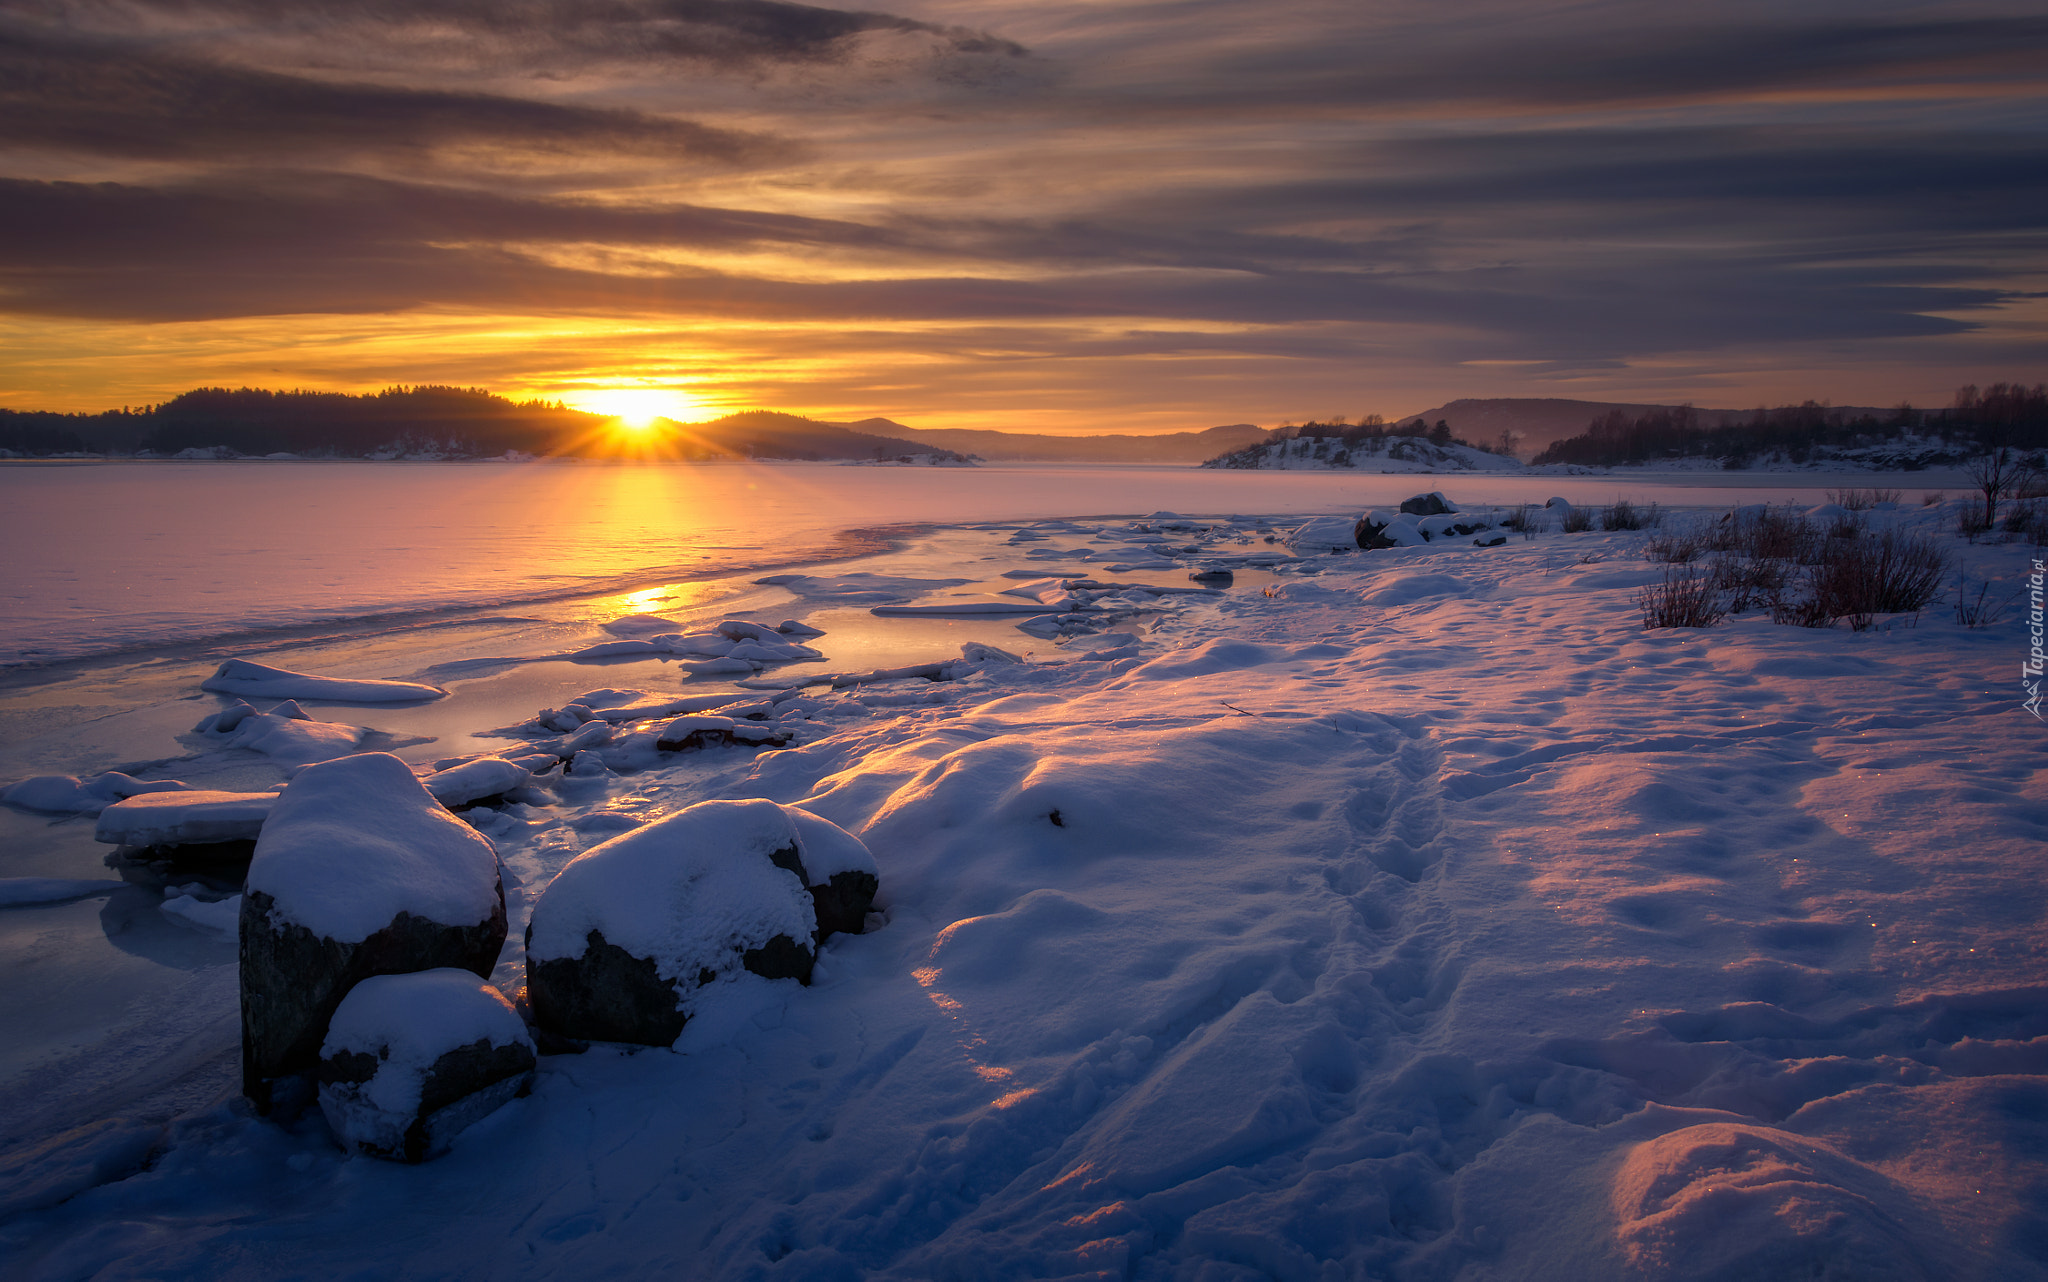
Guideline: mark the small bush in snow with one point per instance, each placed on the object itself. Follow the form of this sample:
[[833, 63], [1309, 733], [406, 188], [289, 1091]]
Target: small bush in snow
[[1683, 600], [1577, 520]]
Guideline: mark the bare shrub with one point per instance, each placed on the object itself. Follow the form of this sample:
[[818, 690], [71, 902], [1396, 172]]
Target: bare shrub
[[1748, 582], [1684, 599], [1577, 520], [1928, 498], [1890, 573], [1677, 547], [1769, 534], [1862, 500], [1530, 521], [1621, 516]]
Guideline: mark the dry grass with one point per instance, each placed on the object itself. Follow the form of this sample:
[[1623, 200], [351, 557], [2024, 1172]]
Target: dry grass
[[1862, 500], [1577, 520]]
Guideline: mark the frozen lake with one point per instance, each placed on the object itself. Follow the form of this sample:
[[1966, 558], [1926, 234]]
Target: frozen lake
[[143, 555]]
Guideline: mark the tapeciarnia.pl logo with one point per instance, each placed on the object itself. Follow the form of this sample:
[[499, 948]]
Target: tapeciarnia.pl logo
[[2030, 670]]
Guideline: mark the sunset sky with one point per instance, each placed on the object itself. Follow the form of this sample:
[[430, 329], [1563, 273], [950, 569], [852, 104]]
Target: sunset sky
[[1066, 215]]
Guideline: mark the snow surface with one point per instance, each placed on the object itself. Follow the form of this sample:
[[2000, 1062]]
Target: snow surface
[[256, 681], [352, 843], [17, 891], [1409, 913]]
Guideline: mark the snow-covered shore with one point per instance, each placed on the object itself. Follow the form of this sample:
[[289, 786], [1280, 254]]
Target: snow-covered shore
[[1407, 913]]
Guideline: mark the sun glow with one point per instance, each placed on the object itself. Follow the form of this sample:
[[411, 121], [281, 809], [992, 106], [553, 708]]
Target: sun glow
[[637, 407]]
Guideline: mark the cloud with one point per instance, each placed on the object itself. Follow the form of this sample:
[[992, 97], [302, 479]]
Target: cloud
[[539, 34], [111, 98]]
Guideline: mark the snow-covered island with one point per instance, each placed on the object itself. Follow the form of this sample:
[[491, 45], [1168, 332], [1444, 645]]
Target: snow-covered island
[[1435, 889]]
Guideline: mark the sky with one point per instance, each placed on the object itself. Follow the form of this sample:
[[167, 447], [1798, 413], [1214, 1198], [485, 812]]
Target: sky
[[1063, 215]]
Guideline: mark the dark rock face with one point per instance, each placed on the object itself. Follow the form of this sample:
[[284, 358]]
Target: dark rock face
[[1431, 504], [609, 995], [842, 903], [463, 1086], [292, 979], [1372, 534], [606, 995]]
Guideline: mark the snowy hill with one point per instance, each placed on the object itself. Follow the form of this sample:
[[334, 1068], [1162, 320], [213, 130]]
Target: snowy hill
[[1019, 447]]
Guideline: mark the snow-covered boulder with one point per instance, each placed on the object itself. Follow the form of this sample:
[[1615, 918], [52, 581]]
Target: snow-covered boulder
[[1431, 504], [410, 1060], [623, 940], [359, 872], [256, 680]]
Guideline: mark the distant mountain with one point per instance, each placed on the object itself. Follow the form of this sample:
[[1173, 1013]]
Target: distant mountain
[[1027, 447], [1539, 421], [768, 434]]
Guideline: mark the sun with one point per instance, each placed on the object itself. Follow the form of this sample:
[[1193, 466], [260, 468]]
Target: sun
[[636, 407]]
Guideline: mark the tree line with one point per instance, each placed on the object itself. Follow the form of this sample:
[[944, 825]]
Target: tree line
[[2004, 415]]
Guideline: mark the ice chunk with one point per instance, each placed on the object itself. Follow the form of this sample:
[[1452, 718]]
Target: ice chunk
[[1324, 534], [857, 589], [185, 818], [219, 917], [296, 743], [68, 795], [473, 781], [350, 844], [636, 625], [250, 679], [16, 892]]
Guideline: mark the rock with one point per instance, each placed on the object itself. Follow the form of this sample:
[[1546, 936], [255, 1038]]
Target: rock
[[1215, 576], [1430, 504], [1381, 529], [358, 872], [629, 932], [410, 1060], [1492, 540]]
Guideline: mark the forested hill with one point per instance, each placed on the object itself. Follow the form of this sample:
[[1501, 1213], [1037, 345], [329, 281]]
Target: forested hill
[[2003, 415], [428, 422]]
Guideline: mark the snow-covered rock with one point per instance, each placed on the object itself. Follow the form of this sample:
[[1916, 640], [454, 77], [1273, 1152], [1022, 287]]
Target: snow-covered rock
[[193, 818], [359, 871], [255, 680], [1431, 504], [410, 1060], [623, 941]]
